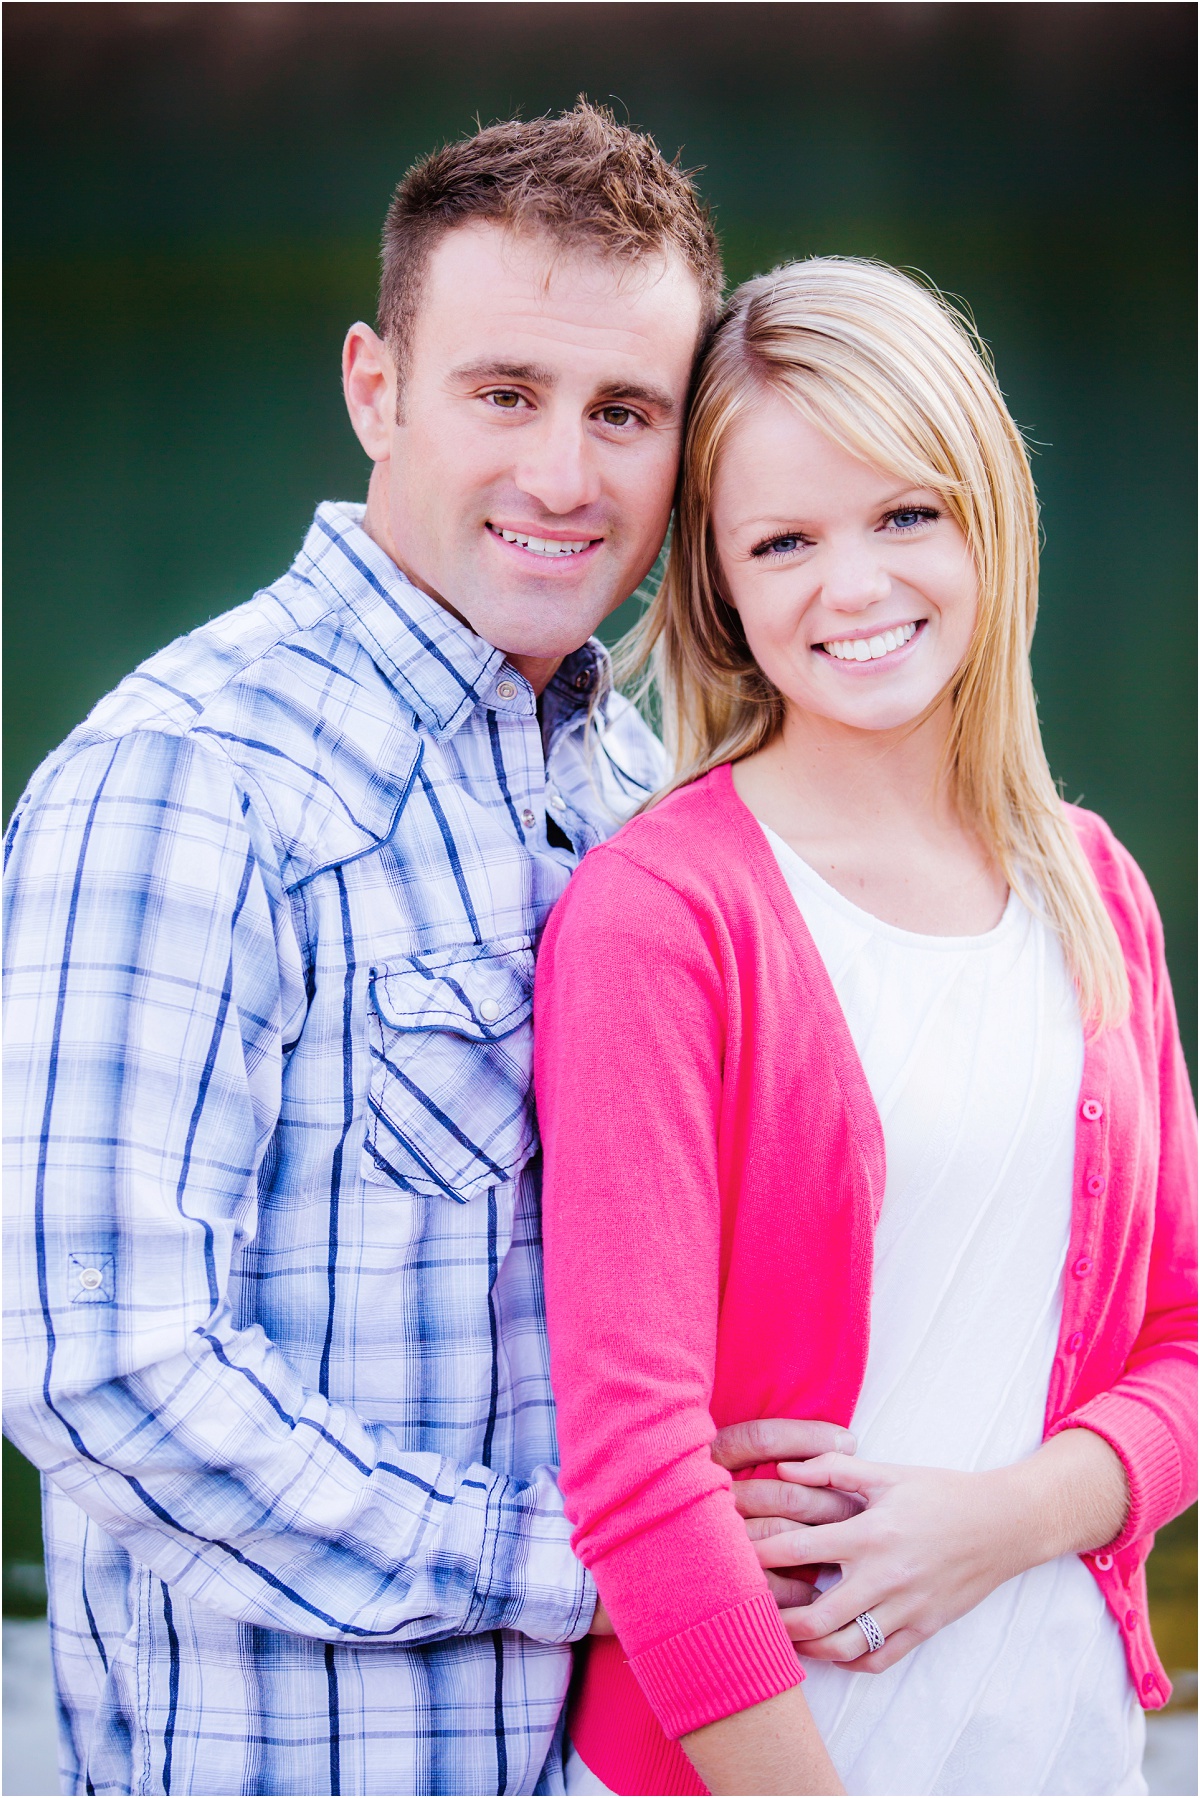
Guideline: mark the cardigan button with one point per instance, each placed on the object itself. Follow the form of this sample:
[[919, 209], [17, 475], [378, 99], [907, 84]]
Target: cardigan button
[[1149, 1683], [1103, 1561], [1075, 1342], [1092, 1110], [1130, 1619], [1096, 1185], [1082, 1267]]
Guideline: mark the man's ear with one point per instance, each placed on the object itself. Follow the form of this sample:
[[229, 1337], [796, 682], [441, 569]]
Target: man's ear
[[369, 384]]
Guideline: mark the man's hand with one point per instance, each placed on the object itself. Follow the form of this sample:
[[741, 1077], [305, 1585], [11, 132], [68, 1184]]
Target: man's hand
[[773, 1439], [772, 1506]]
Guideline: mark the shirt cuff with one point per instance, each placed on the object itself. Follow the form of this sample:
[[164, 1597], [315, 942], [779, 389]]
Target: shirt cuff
[[715, 1668]]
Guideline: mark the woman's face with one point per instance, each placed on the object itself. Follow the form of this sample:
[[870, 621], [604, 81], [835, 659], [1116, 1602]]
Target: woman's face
[[857, 594]]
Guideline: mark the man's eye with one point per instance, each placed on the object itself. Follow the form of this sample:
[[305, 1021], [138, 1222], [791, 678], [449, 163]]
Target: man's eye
[[508, 402], [617, 416]]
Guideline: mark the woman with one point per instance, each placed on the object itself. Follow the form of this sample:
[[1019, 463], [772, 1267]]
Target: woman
[[862, 1098]]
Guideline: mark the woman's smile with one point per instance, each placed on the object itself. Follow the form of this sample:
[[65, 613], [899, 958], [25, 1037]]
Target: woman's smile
[[883, 644]]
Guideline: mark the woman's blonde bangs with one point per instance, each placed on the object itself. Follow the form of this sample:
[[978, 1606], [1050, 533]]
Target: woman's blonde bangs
[[886, 367]]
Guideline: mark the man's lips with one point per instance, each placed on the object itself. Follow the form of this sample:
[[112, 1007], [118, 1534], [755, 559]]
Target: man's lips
[[552, 548]]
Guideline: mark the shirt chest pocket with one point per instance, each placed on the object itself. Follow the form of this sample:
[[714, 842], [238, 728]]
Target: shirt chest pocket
[[450, 1106]]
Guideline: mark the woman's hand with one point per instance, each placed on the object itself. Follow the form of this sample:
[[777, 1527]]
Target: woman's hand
[[932, 1543]]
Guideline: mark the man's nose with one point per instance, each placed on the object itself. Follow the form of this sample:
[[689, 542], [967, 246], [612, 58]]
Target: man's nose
[[558, 465]]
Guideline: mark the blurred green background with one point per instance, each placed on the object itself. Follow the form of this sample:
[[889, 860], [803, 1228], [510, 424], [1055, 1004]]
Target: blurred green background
[[193, 197]]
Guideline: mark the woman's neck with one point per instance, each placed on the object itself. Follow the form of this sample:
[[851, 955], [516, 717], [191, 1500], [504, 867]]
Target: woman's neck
[[874, 813]]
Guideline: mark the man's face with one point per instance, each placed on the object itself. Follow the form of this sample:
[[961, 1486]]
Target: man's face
[[526, 481]]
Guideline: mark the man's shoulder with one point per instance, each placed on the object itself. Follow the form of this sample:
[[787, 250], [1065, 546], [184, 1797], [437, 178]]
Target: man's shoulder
[[285, 695]]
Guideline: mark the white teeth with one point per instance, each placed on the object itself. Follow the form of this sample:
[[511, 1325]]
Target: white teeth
[[870, 649], [541, 546]]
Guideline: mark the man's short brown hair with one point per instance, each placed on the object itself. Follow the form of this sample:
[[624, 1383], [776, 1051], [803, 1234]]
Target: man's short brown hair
[[582, 178]]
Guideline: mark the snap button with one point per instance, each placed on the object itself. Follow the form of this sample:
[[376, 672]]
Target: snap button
[[582, 681], [1149, 1682], [528, 819], [1082, 1267], [91, 1277], [506, 690], [1103, 1561], [1075, 1342], [558, 802], [1096, 1185], [1092, 1110], [1130, 1619], [489, 1011]]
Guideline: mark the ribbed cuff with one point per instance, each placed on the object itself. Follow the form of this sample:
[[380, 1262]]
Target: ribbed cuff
[[715, 1668], [1148, 1453]]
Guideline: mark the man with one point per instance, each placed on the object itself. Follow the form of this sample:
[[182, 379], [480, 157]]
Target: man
[[276, 1337]]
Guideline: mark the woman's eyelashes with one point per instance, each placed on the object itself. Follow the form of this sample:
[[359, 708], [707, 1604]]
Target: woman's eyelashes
[[902, 519], [907, 518], [783, 545]]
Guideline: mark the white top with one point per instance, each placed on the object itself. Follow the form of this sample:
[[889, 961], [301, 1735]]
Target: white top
[[973, 1051]]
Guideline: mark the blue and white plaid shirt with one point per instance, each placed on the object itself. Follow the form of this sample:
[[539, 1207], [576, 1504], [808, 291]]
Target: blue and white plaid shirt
[[275, 1323]]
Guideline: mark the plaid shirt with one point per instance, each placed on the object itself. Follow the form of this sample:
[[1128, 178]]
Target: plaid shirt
[[275, 1322]]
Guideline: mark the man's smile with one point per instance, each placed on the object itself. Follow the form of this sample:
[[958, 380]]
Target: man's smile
[[545, 548]]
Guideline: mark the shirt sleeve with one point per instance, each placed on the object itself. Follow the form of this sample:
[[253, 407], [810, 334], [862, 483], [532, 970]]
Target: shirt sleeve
[[1148, 1416], [628, 1042], [153, 978]]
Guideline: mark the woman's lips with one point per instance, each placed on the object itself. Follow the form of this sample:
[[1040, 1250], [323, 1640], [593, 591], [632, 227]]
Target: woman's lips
[[879, 646]]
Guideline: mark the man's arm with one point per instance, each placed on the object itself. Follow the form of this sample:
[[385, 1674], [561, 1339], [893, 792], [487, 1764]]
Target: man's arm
[[154, 978]]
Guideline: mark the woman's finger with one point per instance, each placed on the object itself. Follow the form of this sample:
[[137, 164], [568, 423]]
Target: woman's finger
[[817, 1543], [789, 1499], [848, 1647], [846, 1472]]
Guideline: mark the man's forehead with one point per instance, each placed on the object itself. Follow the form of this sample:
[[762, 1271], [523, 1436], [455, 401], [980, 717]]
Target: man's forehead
[[506, 299]]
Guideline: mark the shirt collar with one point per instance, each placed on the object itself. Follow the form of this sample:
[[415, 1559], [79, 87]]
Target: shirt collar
[[442, 668]]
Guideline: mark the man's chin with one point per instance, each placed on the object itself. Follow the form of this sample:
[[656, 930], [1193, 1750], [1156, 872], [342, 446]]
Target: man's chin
[[552, 642]]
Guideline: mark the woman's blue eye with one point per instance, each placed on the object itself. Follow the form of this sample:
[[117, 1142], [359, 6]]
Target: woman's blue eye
[[779, 545], [907, 516]]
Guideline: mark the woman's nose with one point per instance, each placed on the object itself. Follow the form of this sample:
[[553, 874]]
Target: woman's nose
[[853, 577]]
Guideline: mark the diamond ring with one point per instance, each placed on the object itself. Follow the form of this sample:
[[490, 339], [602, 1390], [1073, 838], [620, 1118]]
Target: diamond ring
[[871, 1630]]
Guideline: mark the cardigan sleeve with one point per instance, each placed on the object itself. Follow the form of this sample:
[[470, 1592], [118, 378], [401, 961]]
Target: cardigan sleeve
[[1149, 1415], [631, 1006]]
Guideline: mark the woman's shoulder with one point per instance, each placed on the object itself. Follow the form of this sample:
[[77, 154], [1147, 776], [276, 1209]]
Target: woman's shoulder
[[695, 841], [690, 864]]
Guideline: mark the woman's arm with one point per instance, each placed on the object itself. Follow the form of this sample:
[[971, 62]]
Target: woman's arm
[[628, 1045], [932, 1543], [774, 1747]]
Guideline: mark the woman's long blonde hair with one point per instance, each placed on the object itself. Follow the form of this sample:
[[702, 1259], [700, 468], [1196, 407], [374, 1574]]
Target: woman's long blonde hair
[[890, 371]]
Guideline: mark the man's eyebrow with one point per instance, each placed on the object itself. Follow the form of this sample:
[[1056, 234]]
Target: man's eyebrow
[[535, 375], [633, 390], [531, 372]]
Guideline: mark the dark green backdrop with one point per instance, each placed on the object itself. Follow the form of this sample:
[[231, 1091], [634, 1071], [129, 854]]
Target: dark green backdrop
[[193, 195]]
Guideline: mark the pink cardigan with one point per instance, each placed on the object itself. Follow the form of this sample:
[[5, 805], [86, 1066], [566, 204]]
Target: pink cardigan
[[714, 1167]]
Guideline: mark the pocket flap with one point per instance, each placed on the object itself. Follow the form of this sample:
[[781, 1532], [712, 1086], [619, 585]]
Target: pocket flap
[[482, 995]]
